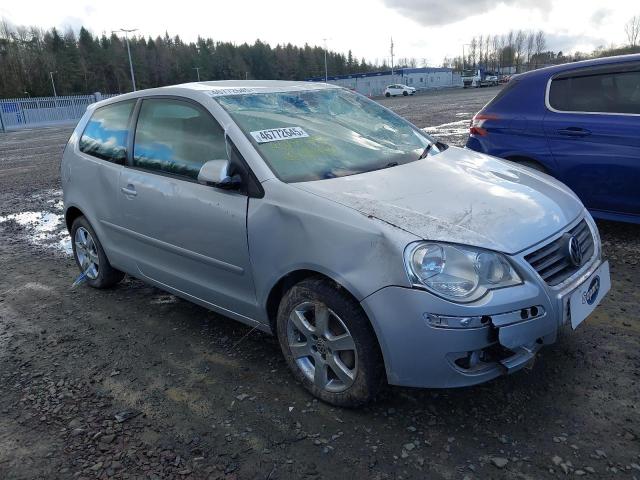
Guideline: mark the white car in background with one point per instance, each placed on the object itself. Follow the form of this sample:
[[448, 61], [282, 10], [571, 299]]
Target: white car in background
[[398, 89]]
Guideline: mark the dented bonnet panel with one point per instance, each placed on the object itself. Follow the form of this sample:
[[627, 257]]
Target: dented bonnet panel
[[461, 197]]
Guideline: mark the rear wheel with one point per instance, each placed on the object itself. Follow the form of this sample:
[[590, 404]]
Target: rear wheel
[[328, 343], [90, 256]]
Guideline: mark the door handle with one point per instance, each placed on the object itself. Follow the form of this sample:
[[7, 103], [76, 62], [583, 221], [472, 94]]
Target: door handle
[[574, 132], [129, 190]]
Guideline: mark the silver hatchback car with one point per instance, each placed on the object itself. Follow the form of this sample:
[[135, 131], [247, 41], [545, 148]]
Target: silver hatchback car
[[375, 253]]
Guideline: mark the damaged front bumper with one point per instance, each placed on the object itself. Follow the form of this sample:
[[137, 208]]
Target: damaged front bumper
[[471, 346], [430, 342]]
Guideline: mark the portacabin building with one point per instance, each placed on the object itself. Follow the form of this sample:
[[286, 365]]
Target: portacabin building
[[373, 83]]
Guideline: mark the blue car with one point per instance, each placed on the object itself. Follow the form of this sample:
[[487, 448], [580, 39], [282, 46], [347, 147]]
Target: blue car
[[579, 122]]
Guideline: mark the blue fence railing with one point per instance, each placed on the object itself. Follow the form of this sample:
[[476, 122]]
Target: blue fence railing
[[18, 113]]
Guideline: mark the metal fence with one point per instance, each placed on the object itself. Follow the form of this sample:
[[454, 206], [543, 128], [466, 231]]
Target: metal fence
[[16, 113]]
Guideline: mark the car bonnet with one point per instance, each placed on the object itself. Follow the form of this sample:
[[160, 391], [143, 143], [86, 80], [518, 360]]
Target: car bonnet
[[459, 196]]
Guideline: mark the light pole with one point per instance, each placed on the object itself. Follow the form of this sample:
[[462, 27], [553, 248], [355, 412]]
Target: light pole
[[391, 50], [197, 69], [126, 36], [53, 84], [326, 76]]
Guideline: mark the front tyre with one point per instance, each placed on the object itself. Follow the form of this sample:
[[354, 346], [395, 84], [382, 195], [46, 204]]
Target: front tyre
[[329, 344], [405, 93], [90, 256], [387, 94]]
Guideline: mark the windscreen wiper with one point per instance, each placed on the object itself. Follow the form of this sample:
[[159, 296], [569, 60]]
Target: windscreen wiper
[[425, 152]]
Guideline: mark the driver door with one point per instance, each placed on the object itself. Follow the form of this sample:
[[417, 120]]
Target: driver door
[[175, 231]]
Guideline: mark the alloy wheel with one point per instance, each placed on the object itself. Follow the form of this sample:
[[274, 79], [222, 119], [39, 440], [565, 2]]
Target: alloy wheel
[[87, 253], [322, 346]]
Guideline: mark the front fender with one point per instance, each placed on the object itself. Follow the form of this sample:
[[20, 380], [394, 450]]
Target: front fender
[[290, 229]]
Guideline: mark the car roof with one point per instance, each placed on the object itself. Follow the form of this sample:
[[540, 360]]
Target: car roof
[[221, 88], [592, 62]]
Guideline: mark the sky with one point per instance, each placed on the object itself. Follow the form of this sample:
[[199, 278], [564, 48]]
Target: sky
[[427, 30]]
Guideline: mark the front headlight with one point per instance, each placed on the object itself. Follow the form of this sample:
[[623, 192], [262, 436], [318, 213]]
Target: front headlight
[[461, 274]]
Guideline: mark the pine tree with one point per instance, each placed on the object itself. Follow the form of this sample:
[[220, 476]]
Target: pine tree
[[86, 63]]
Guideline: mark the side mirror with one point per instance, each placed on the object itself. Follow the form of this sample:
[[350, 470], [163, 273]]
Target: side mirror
[[216, 174]]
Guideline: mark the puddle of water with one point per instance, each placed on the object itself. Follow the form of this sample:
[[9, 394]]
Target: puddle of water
[[164, 299], [43, 229]]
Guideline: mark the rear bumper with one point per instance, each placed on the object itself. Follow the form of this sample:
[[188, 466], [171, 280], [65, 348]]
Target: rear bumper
[[474, 144]]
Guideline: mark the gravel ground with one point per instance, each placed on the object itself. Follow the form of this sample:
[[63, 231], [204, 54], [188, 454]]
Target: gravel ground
[[135, 383]]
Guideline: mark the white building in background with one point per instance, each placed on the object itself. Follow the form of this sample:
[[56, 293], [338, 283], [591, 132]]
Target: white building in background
[[373, 84]]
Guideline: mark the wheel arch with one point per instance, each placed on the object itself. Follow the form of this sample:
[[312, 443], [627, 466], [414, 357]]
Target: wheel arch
[[288, 280], [526, 159], [292, 278], [70, 216]]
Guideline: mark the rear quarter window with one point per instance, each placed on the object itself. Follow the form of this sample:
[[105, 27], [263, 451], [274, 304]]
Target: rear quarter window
[[106, 134], [616, 90]]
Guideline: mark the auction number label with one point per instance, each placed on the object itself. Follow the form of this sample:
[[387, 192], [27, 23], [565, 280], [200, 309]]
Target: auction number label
[[277, 134]]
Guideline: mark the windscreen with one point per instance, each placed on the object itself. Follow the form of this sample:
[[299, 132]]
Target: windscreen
[[320, 134]]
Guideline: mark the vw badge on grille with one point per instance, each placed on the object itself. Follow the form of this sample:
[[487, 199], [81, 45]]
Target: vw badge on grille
[[574, 251]]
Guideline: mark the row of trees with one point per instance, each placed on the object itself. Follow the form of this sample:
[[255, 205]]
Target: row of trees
[[30, 57], [525, 50], [86, 63], [520, 49]]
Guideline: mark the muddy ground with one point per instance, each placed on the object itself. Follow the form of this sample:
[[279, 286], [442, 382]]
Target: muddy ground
[[204, 397]]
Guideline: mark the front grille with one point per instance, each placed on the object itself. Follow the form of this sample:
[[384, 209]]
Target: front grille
[[552, 261]]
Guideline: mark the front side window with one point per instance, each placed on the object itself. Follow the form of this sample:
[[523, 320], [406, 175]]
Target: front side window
[[176, 137], [601, 92], [105, 136], [319, 134]]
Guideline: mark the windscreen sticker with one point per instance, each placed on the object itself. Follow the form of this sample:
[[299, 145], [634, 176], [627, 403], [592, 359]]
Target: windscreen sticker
[[276, 134]]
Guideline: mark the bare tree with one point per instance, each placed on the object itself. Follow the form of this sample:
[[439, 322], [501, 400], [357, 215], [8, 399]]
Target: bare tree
[[518, 48], [507, 49], [495, 47], [541, 44], [486, 51], [632, 29], [473, 52], [530, 46]]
